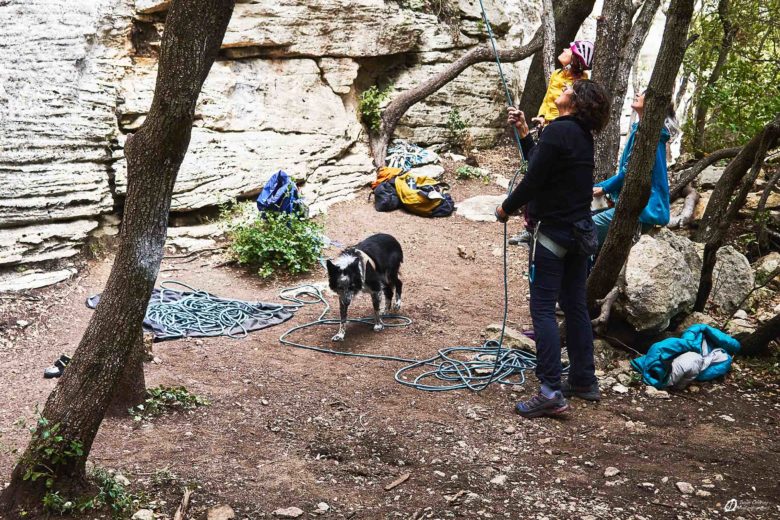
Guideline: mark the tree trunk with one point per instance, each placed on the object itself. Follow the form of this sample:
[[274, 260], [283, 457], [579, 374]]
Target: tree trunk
[[757, 343], [569, 15], [192, 38], [131, 388], [761, 220], [393, 113], [618, 43], [724, 203], [636, 188], [689, 175], [703, 105], [548, 26]]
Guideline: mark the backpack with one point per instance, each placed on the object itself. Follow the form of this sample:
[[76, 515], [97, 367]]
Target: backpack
[[424, 196], [385, 173], [280, 194], [385, 197]]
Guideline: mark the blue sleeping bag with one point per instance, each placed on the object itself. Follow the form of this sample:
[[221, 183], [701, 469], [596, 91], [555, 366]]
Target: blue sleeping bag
[[656, 365]]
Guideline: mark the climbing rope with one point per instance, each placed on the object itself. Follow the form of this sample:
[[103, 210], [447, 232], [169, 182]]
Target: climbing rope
[[202, 312], [488, 363]]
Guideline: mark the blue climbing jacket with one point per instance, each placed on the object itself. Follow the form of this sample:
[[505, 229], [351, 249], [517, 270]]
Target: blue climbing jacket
[[657, 210], [280, 194], [656, 365]]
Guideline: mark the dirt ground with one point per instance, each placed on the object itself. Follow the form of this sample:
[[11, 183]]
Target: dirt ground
[[293, 428]]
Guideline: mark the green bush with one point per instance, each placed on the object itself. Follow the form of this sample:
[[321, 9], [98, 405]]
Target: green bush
[[165, 398], [469, 172], [275, 242], [370, 106]]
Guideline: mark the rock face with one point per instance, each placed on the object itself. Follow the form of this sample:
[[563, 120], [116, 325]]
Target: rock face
[[283, 95]]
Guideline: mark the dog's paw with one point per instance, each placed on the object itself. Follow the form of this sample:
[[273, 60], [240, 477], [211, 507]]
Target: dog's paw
[[338, 337], [397, 305], [379, 326]]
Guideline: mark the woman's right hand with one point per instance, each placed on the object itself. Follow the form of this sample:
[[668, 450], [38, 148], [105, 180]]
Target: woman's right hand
[[517, 119]]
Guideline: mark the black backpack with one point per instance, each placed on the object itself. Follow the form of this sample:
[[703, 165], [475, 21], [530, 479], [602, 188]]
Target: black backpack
[[385, 197]]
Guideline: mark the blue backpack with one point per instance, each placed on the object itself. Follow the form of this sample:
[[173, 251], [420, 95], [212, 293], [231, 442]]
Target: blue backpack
[[280, 194]]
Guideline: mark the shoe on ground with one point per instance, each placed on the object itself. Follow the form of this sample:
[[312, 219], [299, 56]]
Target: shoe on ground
[[524, 237], [589, 393], [540, 405], [57, 369]]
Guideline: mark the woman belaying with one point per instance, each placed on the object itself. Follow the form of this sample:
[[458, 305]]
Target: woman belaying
[[557, 189]]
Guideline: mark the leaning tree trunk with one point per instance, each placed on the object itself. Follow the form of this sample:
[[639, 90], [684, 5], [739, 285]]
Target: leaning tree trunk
[[726, 201], [689, 174], [192, 38], [757, 343], [618, 43], [636, 188], [569, 15], [703, 105], [393, 113]]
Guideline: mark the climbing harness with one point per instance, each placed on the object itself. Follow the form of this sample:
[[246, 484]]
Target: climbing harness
[[489, 363]]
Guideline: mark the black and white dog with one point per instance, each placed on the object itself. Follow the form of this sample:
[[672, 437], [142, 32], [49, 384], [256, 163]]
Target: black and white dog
[[372, 266]]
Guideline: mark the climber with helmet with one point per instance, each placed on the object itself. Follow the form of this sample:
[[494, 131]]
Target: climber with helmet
[[575, 60]]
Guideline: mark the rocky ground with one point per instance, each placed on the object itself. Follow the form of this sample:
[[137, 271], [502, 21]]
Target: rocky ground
[[293, 432]]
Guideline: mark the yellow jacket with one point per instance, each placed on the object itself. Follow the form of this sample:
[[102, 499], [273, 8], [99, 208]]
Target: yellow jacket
[[559, 79]]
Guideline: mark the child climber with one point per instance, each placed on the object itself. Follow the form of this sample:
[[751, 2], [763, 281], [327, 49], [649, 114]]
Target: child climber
[[575, 61]]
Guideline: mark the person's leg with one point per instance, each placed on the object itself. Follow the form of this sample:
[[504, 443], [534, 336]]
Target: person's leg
[[545, 290], [579, 332], [602, 221]]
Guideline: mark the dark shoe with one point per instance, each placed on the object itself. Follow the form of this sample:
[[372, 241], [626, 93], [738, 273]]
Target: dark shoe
[[524, 237], [589, 393], [539, 405], [57, 369]]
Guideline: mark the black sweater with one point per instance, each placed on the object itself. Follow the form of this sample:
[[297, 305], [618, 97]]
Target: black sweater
[[558, 186]]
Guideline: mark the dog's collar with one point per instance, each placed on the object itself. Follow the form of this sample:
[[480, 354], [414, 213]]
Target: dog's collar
[[366, 258]]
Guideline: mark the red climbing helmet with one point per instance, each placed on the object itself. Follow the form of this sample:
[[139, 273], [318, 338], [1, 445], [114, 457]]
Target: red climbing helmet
[[583, 49]]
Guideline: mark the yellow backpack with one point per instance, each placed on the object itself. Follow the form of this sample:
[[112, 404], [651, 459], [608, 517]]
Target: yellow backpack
[[415, 200]]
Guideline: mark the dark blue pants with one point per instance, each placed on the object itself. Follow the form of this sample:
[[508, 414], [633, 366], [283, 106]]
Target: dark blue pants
[[561, 280]]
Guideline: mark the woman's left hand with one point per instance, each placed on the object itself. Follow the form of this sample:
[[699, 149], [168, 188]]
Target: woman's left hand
[[501, 215]]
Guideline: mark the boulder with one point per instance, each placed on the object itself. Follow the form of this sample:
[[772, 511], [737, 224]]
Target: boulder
[[709, 177], [765, 266], [481, 208], [34, 279], [732, 279], [657, 284]]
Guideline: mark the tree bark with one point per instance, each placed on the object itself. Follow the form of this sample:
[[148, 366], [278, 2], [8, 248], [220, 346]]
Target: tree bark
[[761, 233], [192, 38], [131, 388], [569, 15], [548, 51], [757, 343], [636, 188], [689, 175], [618, 42], [727, 198], [703, 105], [393, 113]]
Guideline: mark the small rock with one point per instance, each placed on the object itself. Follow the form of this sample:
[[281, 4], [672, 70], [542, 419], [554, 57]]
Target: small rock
[[264, 402], [121, 479], [509, 430], [611, 472], [653, 392], [727, 418], [323, 507], [143, 514], [157, 361], [741, 314], [221, 512], [619, 389], [647, 485], [22, 323], [289, 512], [665, 480], [685, 488], [499, 480], [439, 474], [702, 493]]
